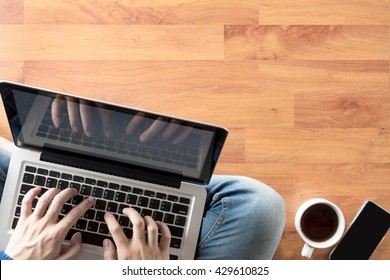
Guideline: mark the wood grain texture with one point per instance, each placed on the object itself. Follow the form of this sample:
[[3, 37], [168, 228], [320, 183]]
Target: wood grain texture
[[307, 42], [312, 146], [110, 42], [355, 12], [11, 11], [142, 12], [302, 85]]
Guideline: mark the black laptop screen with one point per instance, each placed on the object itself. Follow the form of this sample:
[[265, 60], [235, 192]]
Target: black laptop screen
[[40, 118]]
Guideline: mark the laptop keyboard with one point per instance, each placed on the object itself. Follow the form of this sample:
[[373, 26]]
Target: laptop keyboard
[[109, 197]]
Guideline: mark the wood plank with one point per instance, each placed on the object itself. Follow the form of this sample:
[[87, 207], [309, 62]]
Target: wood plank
[[11, 11], [110, 42], [146, 77], [321, 78], [371, 109], [373, 12], [331, 93], [12, 70], [357, 181], [142, 12], [310, 146], [309, 42]]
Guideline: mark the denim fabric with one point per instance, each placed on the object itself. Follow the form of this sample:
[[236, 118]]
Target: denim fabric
[[244, 219]]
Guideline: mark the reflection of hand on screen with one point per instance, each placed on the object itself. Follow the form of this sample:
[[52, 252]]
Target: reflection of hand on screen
[[163, 128], [80, 116]]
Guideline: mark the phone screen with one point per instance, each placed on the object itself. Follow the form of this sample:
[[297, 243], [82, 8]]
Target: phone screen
[[364, 234]]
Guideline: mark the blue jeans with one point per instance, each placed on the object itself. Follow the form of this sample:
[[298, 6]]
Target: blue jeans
[[244, 219]]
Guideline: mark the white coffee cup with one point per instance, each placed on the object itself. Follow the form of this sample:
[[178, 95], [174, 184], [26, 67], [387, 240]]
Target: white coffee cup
[[323, 231]]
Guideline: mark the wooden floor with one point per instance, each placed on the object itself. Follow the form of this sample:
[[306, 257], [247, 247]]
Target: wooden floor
[[302, 85]]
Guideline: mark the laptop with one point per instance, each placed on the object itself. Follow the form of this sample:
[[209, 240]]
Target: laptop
[[121, 156]]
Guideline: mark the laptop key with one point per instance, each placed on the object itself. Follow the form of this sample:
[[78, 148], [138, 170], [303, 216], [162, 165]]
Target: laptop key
[[66, 176], [62, 185], [138, 191], [28, 178], [149, 193], [89, 237], [169, 218], [184, 200], [173, 198], [76, 186], [146, 212], [124, 221], [113, 186], [18, 211], [161, 195], [180, 221], [108, 194], [100, 204], [97, 192], [20, 198], [54, 174], [143, 201], [166, 206], [93, 226], [180, 209], [112, 207], [176, 231], [131, 199], [120, 197], [30, 169], [125, 188], [175, 243], [99, 216], [78, 179], [25, 188], [86, 190], [103, 229], [43, 171], [76, 200], [158, 216], [90, 181], [51, 183], [40, 180], [102, 184], [154, 204], [90, 214], [14, 223], [81, 224]]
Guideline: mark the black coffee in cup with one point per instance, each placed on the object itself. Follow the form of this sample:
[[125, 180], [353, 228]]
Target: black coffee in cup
[[319, 222]]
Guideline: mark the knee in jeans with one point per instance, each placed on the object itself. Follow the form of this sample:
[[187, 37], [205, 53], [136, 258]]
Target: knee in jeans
[[262, 201]]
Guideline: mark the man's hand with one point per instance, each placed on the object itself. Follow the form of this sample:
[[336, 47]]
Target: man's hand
[[143, 245], [39, 234]]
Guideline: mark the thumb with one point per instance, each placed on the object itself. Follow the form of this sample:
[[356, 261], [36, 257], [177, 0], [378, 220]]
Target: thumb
[[74, 248], [109, 250]]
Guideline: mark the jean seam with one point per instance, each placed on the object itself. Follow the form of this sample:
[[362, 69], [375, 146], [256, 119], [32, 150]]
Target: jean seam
[[217, 224]]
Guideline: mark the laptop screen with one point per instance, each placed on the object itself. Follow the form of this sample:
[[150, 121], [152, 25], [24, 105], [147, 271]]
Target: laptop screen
[[45, 119]]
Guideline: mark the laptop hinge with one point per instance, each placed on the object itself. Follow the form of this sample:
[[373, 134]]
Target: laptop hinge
[[109, 167]]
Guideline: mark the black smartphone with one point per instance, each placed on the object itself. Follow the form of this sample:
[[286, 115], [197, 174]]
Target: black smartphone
[[364, 235]]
